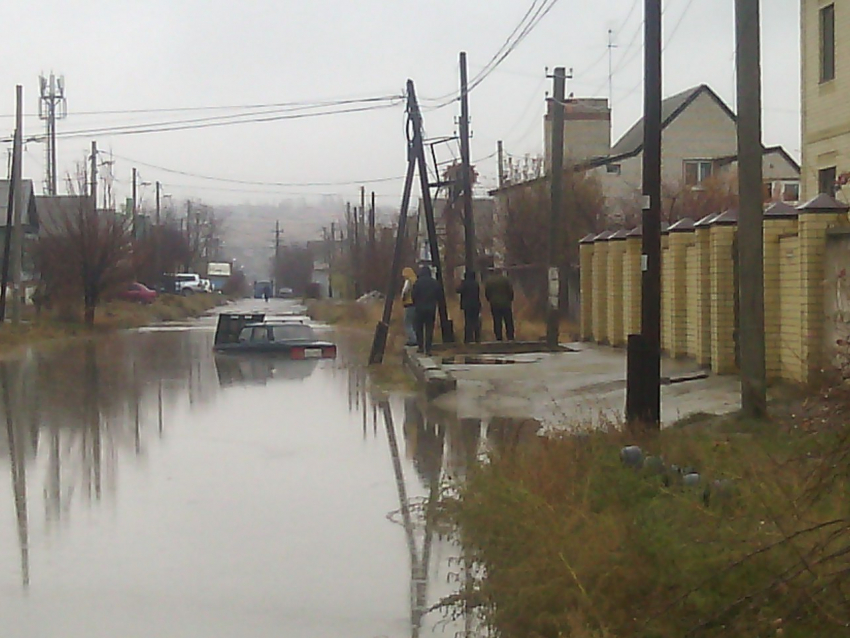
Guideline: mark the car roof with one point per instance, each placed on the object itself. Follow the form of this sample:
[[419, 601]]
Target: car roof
[[276, 322]]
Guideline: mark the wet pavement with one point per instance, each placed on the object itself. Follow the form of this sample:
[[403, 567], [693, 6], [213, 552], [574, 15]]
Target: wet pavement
[[151, 488]]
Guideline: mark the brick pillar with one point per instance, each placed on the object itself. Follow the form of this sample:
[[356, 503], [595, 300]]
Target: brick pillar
[[815, 217], [616, 250], [702, 312], [666, 293], [586, 286], [681, 236], [600, 287], [723, 230], [632, 282], [779, 219]]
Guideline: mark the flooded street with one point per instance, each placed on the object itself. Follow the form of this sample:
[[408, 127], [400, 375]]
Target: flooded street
[[149, 487]]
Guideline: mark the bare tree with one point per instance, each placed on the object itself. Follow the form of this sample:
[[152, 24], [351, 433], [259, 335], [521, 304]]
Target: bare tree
[[84, 253]]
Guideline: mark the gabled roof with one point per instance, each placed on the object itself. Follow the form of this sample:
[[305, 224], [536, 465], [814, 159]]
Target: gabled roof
[[30, 218], [631, 142], [53, 211]]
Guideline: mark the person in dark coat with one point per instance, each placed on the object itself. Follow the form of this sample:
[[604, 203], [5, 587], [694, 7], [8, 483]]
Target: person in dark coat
[[426, 295], [470, 303], [500, 293]]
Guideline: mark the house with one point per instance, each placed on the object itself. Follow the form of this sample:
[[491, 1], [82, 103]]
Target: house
[[699, 140], [54, 211], [29, 225], [825, 89]]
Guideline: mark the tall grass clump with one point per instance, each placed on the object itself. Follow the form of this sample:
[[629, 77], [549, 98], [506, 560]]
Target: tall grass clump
[[567, 541]]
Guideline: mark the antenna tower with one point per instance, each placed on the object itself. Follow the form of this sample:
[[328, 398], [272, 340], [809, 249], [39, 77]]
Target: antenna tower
[[51, 106]]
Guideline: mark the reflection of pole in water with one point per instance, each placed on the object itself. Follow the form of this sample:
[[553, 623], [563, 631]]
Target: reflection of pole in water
[[159, 407], [92, 412], [418, 565], [19, 479]]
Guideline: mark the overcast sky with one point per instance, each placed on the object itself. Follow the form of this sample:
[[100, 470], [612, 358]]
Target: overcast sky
[[178, 54]]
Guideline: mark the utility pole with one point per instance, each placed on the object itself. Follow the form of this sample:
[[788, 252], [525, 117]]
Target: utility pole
[[555, 212], [17, 237], [93, 187], [466, 170], [276, 255], [158, 236], [372, 237], [133, 212], [643, 383], [331, 256], [10, 220], [751, 211], [51, 106], [500, 152], [611, 47]]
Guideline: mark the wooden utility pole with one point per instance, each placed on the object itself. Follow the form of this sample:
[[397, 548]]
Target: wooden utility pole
[[157, 244], [372, 238], [17, 231], [643, 382], [751, 211], [133, 212], [500, 153], [276, 268], [93, 187], [331, 256], [556, 177], [466, 170]]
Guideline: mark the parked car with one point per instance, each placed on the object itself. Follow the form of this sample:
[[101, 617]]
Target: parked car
[[137, 292], [185, 283]]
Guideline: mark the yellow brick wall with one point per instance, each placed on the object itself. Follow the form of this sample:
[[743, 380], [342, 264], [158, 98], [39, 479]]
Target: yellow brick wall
[[666, 295], [790, 308], [702, 312], [722, 299], [632, 284], [678, 274], [600, 291], [692, 274], [774, 229], [616, 333], [586, 287]]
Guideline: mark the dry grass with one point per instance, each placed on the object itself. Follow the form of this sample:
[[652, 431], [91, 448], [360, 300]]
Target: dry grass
[[67, 322], [569, 542]]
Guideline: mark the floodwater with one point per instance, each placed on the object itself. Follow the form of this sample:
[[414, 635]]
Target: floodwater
[[149, 488]]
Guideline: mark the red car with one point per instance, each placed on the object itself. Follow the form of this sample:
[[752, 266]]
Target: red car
[[137, 292]]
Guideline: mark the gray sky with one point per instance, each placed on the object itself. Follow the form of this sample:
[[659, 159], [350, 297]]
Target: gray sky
[[169, 54]]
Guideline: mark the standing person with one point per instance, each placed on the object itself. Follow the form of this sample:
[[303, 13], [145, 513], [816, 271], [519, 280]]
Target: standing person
[[470, 303], [426, 294], [500, 293], [409, 308]]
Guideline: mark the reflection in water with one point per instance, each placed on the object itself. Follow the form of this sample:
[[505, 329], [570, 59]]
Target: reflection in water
[[243, 369], [19, 481]]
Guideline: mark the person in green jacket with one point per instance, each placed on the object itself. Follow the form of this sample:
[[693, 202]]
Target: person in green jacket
[[499, 292]]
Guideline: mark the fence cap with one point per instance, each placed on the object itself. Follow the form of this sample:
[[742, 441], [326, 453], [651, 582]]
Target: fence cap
[[637, 231], [587, 239], [605, 235], [684, 225], [727, 218], [823, 204], [620, 234], [706, 221], [665, 228], [780, 210]]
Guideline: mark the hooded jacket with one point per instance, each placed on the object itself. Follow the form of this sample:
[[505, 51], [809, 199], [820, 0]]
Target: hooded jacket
[[470, 293], [426, 292], [407, 288]]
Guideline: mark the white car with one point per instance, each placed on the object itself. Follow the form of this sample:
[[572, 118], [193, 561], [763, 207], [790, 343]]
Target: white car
[[187, 283]]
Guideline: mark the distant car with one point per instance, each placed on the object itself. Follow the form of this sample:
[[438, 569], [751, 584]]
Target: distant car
[[186, 283], [290, 337], [137, 292], [286, 293]]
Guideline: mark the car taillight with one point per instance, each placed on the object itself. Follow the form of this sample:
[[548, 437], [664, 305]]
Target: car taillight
[[296, 353], [329, 352]]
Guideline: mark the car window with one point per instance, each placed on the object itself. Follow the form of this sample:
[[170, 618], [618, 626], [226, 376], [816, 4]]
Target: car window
[[259, 334], [292, 331]]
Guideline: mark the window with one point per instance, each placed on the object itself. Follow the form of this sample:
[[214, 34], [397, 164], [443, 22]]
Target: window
[[826, 180], [613, 169], [827, 43], [791, 192], [293, 331], [696, 171]]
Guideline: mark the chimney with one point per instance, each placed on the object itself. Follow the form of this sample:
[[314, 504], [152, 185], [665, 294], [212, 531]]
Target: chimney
[[587, 130]]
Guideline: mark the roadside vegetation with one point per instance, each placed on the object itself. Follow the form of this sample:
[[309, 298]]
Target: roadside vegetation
[[67, 321], [567, 540]]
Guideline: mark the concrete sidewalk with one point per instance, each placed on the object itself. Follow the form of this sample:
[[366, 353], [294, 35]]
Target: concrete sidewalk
[[584, 386]]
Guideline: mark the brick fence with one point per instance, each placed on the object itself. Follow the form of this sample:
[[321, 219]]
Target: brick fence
[[699, 288]]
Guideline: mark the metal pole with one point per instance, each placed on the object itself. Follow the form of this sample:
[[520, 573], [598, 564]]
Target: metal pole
[[17, 238], [93, 187], [500, 152], [7, 238], [555, 213], [133, 212], [468, 220], [750, 224], [446, 328]]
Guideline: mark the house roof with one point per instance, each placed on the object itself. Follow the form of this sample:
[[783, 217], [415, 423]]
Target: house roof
[[31, 217], [53, 210], [631, 142]]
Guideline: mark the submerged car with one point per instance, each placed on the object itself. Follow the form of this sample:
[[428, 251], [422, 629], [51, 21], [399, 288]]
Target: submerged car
[[254, 333]]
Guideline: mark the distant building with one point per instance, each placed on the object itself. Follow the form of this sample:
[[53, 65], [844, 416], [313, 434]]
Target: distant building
[[29, 226], [587, 130]]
